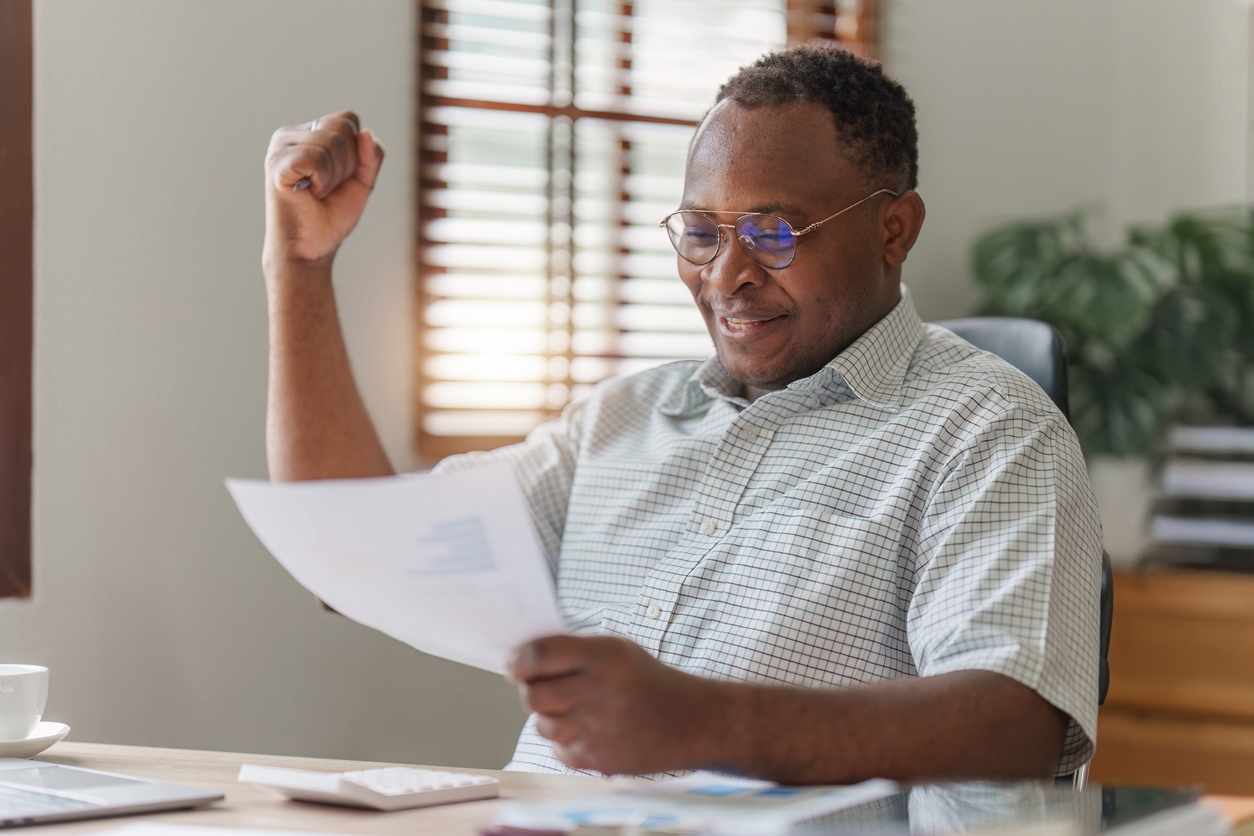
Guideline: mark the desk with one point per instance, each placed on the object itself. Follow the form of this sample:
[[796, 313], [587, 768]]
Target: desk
[[247, 805], [252, 806]]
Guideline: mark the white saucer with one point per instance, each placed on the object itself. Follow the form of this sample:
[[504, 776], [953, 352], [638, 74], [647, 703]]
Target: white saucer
[[44, 735]]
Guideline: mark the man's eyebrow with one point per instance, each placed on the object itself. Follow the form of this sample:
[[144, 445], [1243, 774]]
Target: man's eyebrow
[[780, 209], [761, 209]]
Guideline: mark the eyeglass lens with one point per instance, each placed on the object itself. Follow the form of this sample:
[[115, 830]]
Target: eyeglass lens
[[768, 240]]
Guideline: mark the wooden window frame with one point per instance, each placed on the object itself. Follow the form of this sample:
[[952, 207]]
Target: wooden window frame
[[851, 22], [16, 281]]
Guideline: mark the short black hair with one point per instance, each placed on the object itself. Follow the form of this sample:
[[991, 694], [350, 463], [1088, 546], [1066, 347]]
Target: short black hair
[[874, 115]]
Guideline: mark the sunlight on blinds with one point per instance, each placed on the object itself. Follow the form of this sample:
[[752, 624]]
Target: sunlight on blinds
[[554, 137], [679, 52]]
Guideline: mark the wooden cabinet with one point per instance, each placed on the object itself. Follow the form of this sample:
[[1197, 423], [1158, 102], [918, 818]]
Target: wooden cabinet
[[1181, 704]]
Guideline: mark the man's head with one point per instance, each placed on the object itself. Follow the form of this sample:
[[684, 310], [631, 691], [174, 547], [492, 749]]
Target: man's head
[[802, 134]]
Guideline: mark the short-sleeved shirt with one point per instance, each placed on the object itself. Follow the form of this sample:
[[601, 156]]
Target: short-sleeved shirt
[[915, 507]]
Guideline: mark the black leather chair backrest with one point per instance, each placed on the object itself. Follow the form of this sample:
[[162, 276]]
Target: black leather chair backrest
[[1037, 349]]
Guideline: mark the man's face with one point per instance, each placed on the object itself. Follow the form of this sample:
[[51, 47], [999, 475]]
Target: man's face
[[772, 327]]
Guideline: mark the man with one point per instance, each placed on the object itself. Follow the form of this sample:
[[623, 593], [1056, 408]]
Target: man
[[849, 545]]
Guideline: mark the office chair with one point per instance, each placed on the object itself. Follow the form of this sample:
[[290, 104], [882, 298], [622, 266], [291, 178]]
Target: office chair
[[1037, 350]]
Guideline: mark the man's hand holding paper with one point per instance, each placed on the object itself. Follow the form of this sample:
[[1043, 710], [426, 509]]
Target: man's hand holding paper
[[608, 706]]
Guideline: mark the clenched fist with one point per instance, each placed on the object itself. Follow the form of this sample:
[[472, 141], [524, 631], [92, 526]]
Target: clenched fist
[[319, 176]]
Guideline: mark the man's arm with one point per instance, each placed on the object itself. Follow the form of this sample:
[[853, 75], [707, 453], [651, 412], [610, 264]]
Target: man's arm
[[609, 706], [317, 426]]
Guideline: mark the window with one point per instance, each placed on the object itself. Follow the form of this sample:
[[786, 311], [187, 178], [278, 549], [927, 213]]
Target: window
[[553, 137], [16, 259]]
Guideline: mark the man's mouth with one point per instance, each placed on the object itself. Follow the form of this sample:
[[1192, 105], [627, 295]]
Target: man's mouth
[[748, 326], [737, 323]]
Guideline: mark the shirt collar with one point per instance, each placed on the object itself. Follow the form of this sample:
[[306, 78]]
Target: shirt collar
[[873, 366], [709, 382]]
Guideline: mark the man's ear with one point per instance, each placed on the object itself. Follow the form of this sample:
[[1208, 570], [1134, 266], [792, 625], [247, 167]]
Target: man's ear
[[903, 218]]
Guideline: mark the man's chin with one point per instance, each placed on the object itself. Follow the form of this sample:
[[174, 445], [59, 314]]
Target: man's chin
[[753, 373]]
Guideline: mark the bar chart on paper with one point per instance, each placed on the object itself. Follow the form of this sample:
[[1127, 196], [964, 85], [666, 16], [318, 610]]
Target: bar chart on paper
[[454, 547]]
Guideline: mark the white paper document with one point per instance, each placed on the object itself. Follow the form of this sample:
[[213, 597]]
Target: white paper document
[[447, 563], [703, 802]]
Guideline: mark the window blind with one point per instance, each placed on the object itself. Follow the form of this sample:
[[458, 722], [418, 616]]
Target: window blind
[[553, 138]]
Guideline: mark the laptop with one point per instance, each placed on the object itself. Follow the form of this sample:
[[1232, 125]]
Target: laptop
[[35, 792]]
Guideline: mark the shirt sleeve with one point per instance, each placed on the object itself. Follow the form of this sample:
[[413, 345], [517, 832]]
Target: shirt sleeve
[[544, 465], [1009, 569]]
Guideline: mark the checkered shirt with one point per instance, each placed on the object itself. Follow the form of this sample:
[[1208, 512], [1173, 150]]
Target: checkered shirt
[[916, 507]]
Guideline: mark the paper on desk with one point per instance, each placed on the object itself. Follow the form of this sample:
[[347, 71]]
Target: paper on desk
[[703, 802], [447, 563]]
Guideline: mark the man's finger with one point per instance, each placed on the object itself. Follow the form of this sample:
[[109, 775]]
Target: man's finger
[[340, 120], [575, 754], [557, 729], [549, 657], [554, 696], [369, 158], [345, 121], [296, 162]]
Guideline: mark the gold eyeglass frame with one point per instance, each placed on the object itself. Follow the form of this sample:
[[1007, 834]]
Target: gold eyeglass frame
[[796, 233]]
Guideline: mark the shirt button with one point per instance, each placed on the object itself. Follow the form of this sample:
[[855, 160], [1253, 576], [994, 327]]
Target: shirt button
[[815, 401], [708, 528], [654, 611], [750, 434]]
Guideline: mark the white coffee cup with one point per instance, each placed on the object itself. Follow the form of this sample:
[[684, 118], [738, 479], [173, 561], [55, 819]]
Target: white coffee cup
[[23, 693]]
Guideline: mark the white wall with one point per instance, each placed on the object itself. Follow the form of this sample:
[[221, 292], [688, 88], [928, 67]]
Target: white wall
[[163, 621], [1132, 108], [1180, 112]]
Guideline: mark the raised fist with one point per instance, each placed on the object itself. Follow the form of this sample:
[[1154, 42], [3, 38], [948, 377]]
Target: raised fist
[[319, 176]]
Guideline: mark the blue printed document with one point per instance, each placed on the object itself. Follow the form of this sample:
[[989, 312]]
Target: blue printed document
[[448, 563], [703, 802]]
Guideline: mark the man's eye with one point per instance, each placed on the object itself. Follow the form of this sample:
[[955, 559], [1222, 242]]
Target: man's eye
[[693, 234]]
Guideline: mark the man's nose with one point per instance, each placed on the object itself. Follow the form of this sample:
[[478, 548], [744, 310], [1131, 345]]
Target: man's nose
[[732, 268]]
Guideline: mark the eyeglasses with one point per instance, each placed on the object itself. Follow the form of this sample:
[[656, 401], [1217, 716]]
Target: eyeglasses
[[767, 239]]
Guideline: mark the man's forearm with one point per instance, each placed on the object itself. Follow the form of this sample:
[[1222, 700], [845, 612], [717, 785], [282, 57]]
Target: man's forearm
[[317, 426], [965, 724]]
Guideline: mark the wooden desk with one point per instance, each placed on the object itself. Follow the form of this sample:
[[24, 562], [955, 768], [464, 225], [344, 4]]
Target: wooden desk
[[251, 806], [248, 805]]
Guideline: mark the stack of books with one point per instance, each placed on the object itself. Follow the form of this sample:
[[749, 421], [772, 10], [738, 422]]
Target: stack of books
[[1205, 513]]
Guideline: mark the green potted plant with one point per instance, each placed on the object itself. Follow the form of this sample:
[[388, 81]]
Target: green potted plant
[[1158, 331]]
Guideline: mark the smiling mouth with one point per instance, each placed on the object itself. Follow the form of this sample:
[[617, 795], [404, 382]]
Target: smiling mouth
[[734, 323], [745, 329]]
